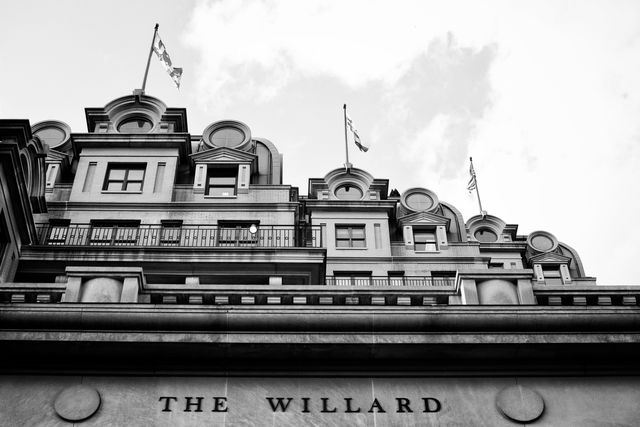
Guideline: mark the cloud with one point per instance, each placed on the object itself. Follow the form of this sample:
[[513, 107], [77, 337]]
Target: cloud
[[544, 95], [252, 49]]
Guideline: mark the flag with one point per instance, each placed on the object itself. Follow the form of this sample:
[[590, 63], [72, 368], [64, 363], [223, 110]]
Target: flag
[[161, 51], [356, 137], [472, 185]]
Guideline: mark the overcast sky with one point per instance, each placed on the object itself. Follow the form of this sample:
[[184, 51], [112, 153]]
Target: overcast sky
[[544, 95]]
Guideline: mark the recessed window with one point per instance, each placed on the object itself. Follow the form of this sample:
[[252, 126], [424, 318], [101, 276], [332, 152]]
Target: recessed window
[[58, 231], [135, 125], [221, 181], [350, 236], [352, 278], [238, 234], [348, 192], [124, 177], [419, 201], [116, 233], [227, 137], [424, 240], [485, 235], [171, 232]]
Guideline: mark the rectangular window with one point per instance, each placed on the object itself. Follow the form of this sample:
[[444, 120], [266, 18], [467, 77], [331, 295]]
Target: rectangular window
[[124, 177], [58, 231], [221, 181], [350, 236], [117, 233], [238, 233], [443, 278], [424, 240], [170, 233], [352, 278]]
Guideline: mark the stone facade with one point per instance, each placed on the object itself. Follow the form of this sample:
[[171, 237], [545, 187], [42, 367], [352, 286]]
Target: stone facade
[[151, 276]]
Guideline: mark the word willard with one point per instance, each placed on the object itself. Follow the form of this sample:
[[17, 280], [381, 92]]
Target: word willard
[[303, 405]]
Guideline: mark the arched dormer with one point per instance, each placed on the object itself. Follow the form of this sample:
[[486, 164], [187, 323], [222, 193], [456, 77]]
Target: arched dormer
[[553, 263], [56, 138], [487, 229], [349, 185], [136, 114]]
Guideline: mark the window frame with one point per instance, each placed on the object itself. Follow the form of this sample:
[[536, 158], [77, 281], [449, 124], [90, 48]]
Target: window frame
[[127, 167], [421, 230], [111, 233], [352, 278], [239, 230], [351, 239], [217, 168]]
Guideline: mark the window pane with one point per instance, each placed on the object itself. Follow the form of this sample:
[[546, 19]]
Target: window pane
[[348, 192], [114, 186], [357, 232], [342, 232], [342, 243], [220, 180], [116, 174], [358, 243], [227, 137], [135, 175], [221, 191], [419, 201], [423, 236], [134, 186]]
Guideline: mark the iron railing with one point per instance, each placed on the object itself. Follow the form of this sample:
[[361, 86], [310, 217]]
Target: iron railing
[[389, 281], [188, 236]]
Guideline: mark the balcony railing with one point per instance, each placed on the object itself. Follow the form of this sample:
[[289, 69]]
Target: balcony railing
[[389, 281], [187, 236]]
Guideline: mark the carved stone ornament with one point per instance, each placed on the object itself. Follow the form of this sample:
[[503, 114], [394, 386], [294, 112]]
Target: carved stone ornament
[[520, 404], [77, 403]]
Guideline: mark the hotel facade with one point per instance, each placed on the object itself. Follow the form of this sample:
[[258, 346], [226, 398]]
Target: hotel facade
[[150, 276]]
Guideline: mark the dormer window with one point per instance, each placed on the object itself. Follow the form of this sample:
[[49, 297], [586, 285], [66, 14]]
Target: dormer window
[[127, 177], [135, 125], [424, 240], [221, 181], [348, 192]]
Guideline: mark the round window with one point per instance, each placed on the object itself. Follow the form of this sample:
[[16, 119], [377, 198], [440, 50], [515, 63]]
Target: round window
[[135, 125], [419, 201], [51, 136], [485, 235], [348, 192], [227, 137], [542, 243]]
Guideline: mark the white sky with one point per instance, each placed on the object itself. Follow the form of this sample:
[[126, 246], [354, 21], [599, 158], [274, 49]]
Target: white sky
[[544, 95]]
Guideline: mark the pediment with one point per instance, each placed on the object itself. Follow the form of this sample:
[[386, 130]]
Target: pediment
[[424, 218], [55, 156], [550, 258], [223, 155]]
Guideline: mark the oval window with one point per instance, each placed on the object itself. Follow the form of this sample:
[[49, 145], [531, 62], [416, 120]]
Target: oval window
[[227, 137], [419, 201], [51, 136], [542, 243], [485, 235], [135, 125], [348, 192]]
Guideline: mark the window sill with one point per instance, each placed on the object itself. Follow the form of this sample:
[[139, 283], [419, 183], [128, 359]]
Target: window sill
[[427, 252], [351, 249], [121, 192], [220, 197]]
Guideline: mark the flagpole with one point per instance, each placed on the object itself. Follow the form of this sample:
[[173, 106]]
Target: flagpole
[[146, 71], [482, 212], [346, 142]]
